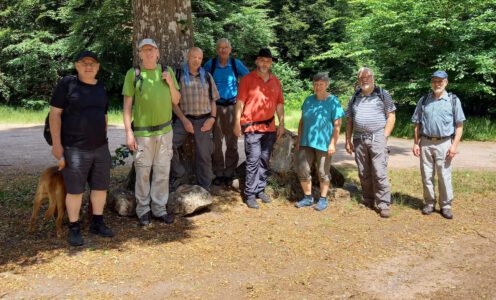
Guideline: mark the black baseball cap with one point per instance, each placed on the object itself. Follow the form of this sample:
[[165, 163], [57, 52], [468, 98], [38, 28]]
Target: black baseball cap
[[87, 53]]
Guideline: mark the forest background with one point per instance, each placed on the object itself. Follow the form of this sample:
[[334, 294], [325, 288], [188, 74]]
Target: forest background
[[403, 41]]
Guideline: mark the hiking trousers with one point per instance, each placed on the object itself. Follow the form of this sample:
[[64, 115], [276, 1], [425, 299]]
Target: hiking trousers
[[155, 153], [223, 129], [433, 160], [371, 156]]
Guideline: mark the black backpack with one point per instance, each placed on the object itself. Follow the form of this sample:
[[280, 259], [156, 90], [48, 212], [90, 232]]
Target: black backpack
[[233, 64], [46, 130]]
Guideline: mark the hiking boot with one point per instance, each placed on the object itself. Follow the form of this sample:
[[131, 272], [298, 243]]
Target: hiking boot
[[427, 210], [306, 201], [219, 180], [263, 196], [167, 219], [75, 238], [385, 213], [321, 204], [144, 220], [252, 203], [228, 181], [447, 213], [101, 229]]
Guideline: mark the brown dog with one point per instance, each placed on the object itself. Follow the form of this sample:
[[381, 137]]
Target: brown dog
[[51, 186]]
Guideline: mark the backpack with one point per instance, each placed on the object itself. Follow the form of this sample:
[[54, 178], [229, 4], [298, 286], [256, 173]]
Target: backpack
[[452, 100], [378, 90], [46, 130], [233, 64], [139, 78], [179, 72]]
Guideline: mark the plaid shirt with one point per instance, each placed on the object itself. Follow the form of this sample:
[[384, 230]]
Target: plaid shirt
[[195, 98]]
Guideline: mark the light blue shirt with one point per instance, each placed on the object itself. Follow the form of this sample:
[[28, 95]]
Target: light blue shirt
[[318, 118], [436, 116], [224, 77]]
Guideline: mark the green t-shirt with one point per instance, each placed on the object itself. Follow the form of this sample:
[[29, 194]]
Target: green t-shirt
[[152, 104]]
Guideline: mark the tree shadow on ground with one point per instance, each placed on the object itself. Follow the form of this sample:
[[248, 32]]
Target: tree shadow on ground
[[18, 247]]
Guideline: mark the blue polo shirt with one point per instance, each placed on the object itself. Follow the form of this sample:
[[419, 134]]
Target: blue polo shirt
[[318, 118], [436, 116], [225, 80]]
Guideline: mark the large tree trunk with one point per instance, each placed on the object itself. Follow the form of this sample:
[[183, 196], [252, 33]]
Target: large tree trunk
[[168, 22]]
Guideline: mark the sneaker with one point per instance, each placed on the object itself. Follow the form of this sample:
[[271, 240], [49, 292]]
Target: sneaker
[[427, 210], [252, 203], [321, 204], [447, 213], [144, 220], [101, 229], [75, 238], [219, 180], [263, 196], [306, 201], [385, 213], [167, 219]]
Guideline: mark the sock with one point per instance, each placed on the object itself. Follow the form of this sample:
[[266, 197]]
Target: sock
[[308, 197], [97, 219], [74, 224]]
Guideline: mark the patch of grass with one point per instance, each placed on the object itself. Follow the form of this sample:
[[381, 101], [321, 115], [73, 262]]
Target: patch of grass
[[19, 115]]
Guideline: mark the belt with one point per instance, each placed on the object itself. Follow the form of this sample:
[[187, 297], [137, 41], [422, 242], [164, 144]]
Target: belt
[[150, 128], [369, 135], [198, 117], [436, 138], [226, 102], [266, 122]]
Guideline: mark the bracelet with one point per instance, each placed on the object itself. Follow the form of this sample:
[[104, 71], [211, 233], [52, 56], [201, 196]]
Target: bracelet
[[214, 117]]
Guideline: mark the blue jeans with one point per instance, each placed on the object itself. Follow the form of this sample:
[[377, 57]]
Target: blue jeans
[[258, 147]]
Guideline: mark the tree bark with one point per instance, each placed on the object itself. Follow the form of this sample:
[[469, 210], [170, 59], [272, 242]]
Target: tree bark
[[168, 22]]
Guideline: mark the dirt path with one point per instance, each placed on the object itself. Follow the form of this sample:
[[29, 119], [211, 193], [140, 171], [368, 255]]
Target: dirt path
[[24, 147], [276, 252]]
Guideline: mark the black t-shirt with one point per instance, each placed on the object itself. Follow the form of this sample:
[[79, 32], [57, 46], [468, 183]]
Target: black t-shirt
[[83, 119]]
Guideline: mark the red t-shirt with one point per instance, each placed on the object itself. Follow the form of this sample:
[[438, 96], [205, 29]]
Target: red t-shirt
[[260, 99]]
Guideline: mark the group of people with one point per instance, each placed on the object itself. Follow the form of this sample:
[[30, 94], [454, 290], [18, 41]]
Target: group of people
[[222, 101]]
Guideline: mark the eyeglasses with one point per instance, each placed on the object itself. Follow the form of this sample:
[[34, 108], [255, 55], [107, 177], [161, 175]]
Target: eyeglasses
[[91, 65]]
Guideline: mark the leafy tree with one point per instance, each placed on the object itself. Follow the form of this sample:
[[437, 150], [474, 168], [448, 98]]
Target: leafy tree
[[405, 41], [246, 23]]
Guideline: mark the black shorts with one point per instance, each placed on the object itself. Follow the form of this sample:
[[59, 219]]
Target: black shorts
[[81, 166]]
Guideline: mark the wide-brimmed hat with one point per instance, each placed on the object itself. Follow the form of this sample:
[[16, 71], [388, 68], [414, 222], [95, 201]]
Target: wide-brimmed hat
[[265, 52], [86, 53]]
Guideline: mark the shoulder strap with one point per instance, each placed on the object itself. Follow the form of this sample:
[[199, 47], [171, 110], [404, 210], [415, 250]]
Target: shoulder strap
[[453, 105], [210, 87], [138, 78], [178, 74], [234, 67], [213, 65]]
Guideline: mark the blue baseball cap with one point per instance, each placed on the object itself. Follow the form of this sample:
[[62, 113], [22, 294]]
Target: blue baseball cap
[[440, 74]]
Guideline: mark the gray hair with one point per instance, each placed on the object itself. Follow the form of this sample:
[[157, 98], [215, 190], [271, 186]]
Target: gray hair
[[365, 70], [321, 76], [223, 41]]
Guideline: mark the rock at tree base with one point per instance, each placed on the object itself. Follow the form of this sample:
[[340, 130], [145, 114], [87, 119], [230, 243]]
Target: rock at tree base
[[188, 199]]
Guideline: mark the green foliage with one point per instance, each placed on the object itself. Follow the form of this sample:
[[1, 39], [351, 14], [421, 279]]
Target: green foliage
[[405, 41], [246, 23], [39, 40]]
